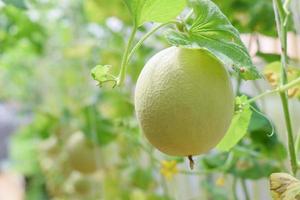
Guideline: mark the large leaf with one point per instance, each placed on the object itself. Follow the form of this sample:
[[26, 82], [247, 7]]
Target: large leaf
[[238, 127], [210, 29], [250, 16], [154, 10]]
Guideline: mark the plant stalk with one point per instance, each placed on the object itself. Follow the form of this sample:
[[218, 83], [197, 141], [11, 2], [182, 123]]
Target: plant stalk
[[279, 89], [234, 185], [122, 74], [281, 18], [128, 55], [146, 36], [297, 145], [245, 189]]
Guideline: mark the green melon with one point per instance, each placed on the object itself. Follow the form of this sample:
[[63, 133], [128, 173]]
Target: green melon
[[82, 154], [184, 101]]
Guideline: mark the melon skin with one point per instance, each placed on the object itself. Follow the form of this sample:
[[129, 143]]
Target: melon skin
[[184, 101], [82, 154]]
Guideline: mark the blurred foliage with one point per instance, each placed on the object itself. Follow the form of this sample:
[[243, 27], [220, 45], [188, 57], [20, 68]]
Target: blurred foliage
[[16, 27], [99, 10], [47, 49], [250, 16], [272, 74]]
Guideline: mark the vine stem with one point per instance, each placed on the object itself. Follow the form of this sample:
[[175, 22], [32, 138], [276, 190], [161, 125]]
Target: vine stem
[[281, 17], [234, 184], [245, 189], [297, 146], [192, 173], [192, 163], [279, 89], [122, 74], [128, 55], [146, 36]]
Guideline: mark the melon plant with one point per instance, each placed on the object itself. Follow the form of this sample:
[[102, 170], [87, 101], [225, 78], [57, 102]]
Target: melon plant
[[184, 100]]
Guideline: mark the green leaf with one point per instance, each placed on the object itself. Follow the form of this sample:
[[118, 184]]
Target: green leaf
[[214, 161], [253, 168], [141, 178], [95, 127], [210, 29], [263, 135], [239, 125], [268, 57], [154, 10], [35, 187], [101, 74], [250, 16]]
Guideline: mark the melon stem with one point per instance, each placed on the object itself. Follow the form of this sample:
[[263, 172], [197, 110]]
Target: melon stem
[[192, 163]]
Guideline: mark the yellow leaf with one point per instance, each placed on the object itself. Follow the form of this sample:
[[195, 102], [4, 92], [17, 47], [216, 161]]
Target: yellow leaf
[[272, 75]]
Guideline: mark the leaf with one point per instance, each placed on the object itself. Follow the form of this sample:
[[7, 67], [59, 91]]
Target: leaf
[[263, 136], [25, 29], [141, 178], [254, 168], [250, 16], [95, 127], [268, 57], [35, 187], [238, 127], [211, 30], [17, 3], [214, 161], [101, 74], [154, 10]]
